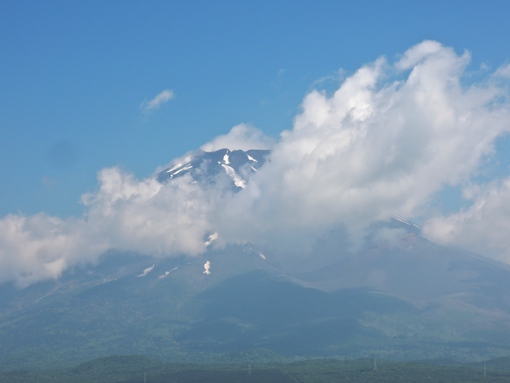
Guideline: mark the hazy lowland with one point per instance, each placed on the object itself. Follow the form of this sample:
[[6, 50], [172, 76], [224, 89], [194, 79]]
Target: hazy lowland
[[132, 369]]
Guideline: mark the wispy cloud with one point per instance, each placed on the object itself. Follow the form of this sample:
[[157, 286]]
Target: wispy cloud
[[503, 71], [156, 102], [483, 227]]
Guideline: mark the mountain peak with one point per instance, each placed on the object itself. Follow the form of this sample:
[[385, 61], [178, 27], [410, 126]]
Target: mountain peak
[[206, 167]]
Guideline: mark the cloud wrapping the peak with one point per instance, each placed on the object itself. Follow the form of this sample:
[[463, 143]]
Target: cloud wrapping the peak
[[160, 99], [125, 214], [240, 137], [384, 143], [148, 217]]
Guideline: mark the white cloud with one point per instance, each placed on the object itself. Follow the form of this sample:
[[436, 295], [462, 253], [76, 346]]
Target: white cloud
[[126, 214], [376, 147], [156, 102], [41, 247], [147, 217], [240, 137], [418, 53], [481, 228], [503, 71]]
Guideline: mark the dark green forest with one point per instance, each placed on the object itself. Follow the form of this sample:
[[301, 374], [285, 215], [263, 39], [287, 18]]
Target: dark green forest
[[134, 368]]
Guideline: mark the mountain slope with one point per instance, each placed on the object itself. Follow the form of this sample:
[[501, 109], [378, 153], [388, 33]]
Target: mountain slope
[[176, 312], [403, 298]]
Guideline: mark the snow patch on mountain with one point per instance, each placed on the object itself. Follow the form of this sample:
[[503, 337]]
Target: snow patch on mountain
[[205, 167], [400, 219], [238, 181], [167, 273], [174, 168], [187, 167], [211, 239], [207, 267], [146, 271]]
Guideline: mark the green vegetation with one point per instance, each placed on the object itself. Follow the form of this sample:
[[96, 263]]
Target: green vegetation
[[190, 318], [131, 369]]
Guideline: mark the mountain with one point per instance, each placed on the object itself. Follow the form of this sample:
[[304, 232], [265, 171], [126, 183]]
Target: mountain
[[405, 299], [210, 167]]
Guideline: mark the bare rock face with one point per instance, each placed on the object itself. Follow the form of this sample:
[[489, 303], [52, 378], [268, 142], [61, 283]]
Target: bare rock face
[[235, 167]]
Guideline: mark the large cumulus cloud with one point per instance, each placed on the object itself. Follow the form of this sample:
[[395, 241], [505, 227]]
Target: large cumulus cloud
[[377, 146], [390, 138]]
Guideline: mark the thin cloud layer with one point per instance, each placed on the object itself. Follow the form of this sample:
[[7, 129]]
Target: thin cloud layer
[[483, 227], [240, 137], [390, 138], [156, 102]]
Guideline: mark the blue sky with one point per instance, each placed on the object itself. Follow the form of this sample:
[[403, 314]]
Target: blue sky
[[424, 135], [73, 75]]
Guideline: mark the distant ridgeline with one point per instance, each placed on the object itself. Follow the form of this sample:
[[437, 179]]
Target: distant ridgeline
[[209, 167]]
